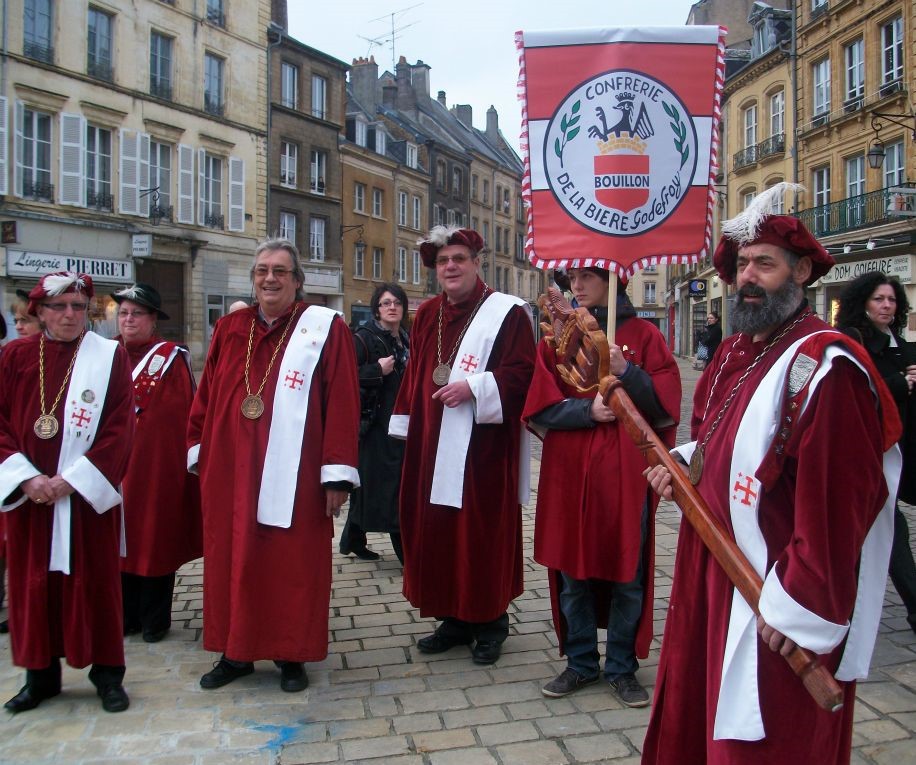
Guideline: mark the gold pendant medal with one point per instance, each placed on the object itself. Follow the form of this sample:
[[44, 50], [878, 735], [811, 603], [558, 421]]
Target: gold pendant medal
[[46, 426], [252, 406], [695, 471], [441, 374]]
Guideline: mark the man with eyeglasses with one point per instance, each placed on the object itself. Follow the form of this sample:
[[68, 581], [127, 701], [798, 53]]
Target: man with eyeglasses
[[273, 435], [66, 426], [466, 459]]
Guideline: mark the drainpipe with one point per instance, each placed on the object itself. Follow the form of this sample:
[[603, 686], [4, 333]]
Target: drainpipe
[[793, 58], [279, 31]]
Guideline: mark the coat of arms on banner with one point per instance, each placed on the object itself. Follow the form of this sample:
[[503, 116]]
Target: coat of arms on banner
[[620, 152]]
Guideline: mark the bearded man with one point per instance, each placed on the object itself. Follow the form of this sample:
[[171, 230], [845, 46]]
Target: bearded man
[[795, 455]]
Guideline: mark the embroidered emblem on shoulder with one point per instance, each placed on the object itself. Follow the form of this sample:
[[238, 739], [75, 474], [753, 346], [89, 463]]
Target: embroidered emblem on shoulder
[[156, 363], [800, 373]]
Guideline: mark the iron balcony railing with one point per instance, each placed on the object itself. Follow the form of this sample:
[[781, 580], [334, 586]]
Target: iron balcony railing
[[158, 213], [213, 105], [871, 209], [38, 51], [215, 221], [99, 69], [99, 200], [775, 144], [38, 190], [746, 157], [160, 89]]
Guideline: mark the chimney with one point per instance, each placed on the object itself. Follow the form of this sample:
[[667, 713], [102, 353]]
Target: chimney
[[465, 114], [278, 13], [441, 98], [492, 131], [364, 82], [390, 96], [407, 98], [419, 79]]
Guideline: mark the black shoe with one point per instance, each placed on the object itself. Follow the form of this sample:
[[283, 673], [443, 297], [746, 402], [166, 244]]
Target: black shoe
[[292, 677], [439, 643], [566, 682], [155, 636], [345, 548], [628, 689], [114, 697], [224, 673], [4, 626], [364, 553], [27, 698], [486, 651]]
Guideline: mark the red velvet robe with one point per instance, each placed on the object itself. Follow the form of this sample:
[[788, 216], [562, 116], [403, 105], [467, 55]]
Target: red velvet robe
[[591, 490], [814, 521], [161, 499], [467, 563], [76, 616], [267, 589]]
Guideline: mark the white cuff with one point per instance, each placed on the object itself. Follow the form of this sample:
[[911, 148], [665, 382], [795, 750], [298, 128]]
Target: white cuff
[[685, 451], [88, 481], [488, 407], [193, 456], [13, 471], [397, 425], [331, 473], [783, 613]]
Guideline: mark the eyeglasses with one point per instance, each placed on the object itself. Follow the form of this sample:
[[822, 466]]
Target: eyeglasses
[[277, 272], [390, 304], [133, 314], [61, 307], [443, 260]]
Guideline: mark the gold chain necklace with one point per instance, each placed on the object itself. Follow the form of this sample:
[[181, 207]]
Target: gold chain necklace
[[443, 370], [46, 426], [253, 404], [697, 458]]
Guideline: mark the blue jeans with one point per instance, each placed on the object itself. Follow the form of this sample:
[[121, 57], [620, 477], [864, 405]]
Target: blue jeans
[[578, 606]]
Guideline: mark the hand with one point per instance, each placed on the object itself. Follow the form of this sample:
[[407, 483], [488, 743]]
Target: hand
[[38, 489], [387, 365], [333, 501], [910, 375], [454, 394], [774, 639], [600, 412], [660, 480], [618, 363], [61, 487]]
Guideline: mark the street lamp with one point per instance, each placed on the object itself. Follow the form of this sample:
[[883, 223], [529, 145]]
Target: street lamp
[[876, 151]]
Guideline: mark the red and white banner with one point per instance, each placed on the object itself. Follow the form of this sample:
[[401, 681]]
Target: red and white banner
[[619, 139]]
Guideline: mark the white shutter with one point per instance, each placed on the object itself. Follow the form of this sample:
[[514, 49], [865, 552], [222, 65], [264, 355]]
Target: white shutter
[[201, 186], [4, 148], [17, 147], [185, 184], [72, 160], [143, 161], [236, 194], [130, 187]]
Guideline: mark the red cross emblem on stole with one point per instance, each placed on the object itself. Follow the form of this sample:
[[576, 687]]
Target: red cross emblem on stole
[[746, 489], [293, 380], [81, 418], [468, 363]]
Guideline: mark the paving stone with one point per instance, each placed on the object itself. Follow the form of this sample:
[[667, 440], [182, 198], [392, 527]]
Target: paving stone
[[532, 753], [382, 706], [506, 733], [475, 756], [504, 693], [373, 748], [306, 754], [417, 723], [358, 729], [357, 659], [439, 700], [474, 716], [431, 741], [566, 725], [605, 746]]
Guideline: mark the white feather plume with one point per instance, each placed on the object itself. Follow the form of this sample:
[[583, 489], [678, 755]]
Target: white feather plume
[[129, 293], [744, 226], [58, 284], [439, 235]]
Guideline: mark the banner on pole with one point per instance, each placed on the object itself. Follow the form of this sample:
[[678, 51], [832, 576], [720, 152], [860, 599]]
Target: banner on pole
[[619, 140]]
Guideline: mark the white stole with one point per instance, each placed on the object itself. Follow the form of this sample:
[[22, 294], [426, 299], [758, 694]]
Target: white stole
[[458, 421]]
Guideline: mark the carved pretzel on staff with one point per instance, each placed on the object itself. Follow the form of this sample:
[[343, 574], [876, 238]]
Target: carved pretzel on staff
[[583, 362]]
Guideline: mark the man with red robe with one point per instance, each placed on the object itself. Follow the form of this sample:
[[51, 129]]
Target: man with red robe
[[66, 426], [161, 499], [273, 435], [795, 455], [466, 458], [594, 527]]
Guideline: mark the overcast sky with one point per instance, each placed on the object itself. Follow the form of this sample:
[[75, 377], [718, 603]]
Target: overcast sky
[[469, 44]]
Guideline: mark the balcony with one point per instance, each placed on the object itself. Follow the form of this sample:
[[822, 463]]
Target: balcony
[[213, 105], [775, 144], [38, 51], [215, 221], [158, 213], [216, 16], [819, 10], [746, 157], [101, 70], [160, 89], [852, 213], [99, 200], [43, 192]]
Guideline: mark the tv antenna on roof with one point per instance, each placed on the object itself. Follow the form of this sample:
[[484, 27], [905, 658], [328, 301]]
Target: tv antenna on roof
[[394, 17]]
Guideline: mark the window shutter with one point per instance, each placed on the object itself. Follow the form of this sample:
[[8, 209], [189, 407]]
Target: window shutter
[[130, 188], [4, 147], [185, 184], [201, 186], [72, 159], [236, 194], [143, 161], [17, 147]]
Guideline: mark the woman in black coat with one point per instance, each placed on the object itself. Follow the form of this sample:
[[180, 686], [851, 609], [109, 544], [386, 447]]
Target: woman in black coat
[[381, 352], [873, 309]]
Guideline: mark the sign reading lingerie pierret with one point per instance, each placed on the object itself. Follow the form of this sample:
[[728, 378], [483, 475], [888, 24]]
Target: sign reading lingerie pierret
[[621, 152], [29, 263]]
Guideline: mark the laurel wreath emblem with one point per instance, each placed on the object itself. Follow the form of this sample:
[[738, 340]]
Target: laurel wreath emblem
[[570, 131], [680, 132]]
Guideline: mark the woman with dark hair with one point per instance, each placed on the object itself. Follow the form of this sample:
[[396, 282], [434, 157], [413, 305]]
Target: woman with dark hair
[[381, 352], [873, 310]]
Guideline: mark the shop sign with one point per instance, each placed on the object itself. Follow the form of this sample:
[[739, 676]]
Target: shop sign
[[34, 265], [900, 266], [650, 314], [697, 288], [141, 245]]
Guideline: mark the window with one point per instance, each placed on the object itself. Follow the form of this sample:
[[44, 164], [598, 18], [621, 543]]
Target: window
[[821, 185], [402, 264], [486, 230], [750, 126], [98, 168], [411, 153], [216, 13], [486, 192], [416, 213], [160, 66], [437, 216], [359, 197], [649, 293], [498, 234], [892, 50], [34, 161], [316, 238], [380, 141], [359, 261], [288, 226], [402, 208], [855, 188], [778, 113], [361, 131], [377, 203], [211, 193], [160, 178], [779, 203], [377, 255], [98, 45], [519, 247], [36, 43], [474, 183], [451, 218], [213, 85], [440, 175], [894, 169], [821, 76], [747, 197], [289, 162], [416, 266], [317, 171], [855, 70], [320, 97], [456, 181], [289, 85]]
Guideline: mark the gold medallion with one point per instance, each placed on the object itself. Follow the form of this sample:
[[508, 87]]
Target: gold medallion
[[695, 471], [441, 374], [252, 406], [46, 426]]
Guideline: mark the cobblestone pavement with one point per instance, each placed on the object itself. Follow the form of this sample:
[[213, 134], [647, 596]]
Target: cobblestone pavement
[[376, 699]]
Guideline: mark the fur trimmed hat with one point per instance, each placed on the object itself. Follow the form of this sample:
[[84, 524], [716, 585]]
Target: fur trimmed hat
[[757, 225], [442, 236], [60, 283]]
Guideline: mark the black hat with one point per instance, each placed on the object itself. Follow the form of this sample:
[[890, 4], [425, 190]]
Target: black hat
[[141, 294], [23, 295]]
